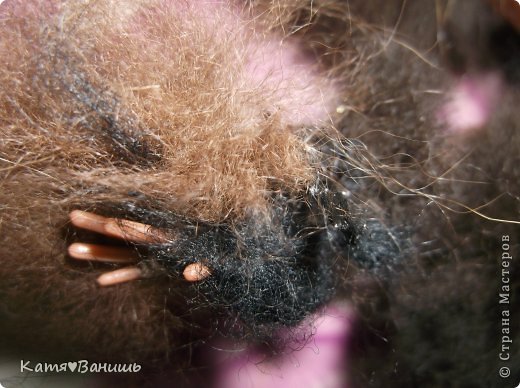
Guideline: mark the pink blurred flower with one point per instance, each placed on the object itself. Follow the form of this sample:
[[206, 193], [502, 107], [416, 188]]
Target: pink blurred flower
[[471, 102], [320, 363]]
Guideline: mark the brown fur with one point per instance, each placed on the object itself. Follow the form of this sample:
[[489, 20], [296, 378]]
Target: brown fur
[[213, 146], [223, 146]]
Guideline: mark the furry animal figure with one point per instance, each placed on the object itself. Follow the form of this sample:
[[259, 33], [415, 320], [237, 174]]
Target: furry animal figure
[[178, 172]]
